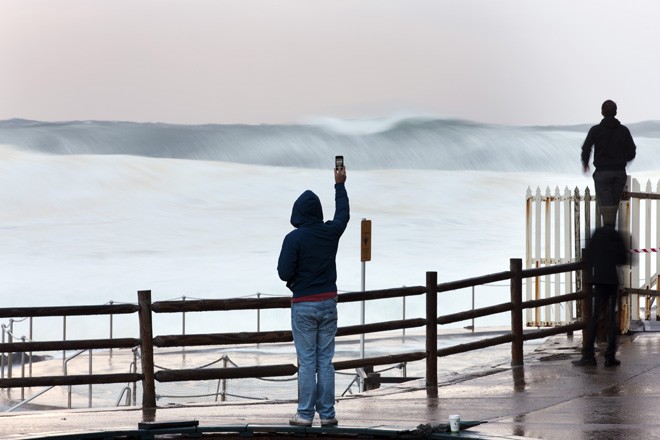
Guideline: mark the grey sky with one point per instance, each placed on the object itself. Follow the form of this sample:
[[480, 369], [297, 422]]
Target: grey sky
[[258, 61]]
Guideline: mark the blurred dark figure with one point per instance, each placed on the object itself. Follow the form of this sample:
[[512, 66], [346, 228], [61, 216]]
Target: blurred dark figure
[[613, 147], [606, 251]]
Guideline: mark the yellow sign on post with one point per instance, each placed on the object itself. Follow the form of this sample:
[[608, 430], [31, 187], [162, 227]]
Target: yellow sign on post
[[365, 240]]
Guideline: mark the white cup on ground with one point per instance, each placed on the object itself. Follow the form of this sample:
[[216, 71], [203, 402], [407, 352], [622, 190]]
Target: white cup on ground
[[455, 423]]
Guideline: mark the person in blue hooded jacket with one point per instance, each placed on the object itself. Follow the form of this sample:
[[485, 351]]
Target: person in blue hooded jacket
[[307, 264]]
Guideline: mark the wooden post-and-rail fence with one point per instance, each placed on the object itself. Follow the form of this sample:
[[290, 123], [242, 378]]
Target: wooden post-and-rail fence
[[147, 341]]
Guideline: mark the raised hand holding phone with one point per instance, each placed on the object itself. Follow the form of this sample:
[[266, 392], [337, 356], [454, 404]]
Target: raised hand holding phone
[[340, 171]]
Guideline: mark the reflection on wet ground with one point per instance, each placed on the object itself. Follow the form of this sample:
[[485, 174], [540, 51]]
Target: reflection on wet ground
[[547, 398]]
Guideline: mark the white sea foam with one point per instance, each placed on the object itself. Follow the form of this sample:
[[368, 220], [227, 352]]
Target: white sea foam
[[87, 229], [96, 226]]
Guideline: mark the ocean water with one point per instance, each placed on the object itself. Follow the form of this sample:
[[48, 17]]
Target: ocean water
[[388, 143], [93, 212]]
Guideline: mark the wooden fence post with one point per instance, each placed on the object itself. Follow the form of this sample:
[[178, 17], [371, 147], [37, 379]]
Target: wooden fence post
[[515, 265], [587, 302], [576, 231], [147, 347], [431, 334]]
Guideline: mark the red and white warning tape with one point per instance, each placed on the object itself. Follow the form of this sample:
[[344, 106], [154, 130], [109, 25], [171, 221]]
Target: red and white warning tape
[[643, 251]]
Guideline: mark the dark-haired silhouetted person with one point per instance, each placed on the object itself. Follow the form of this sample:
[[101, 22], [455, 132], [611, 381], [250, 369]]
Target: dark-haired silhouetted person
[[613, 147], [606, 251]]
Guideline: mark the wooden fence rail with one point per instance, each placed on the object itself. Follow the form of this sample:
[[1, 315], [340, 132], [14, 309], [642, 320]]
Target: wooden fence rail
[[83, 344], [147, 341], [106, 309], [83, 379]]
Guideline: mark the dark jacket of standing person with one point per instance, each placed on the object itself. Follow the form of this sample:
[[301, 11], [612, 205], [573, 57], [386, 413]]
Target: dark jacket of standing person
[[613, 147], [307, 259], [612, 143], [606, 251]]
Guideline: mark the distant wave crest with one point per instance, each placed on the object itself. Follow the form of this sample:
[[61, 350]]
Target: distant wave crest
[[409, 143]]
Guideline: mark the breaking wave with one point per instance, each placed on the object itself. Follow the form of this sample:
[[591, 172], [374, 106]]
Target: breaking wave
[[409, 143]]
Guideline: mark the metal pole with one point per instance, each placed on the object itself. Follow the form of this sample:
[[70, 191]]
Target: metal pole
[[64, 338], [362, 311], [183, 320], [222, 383], [365, 255], [89, 394], [473, 308], [135, 371], [258, 315], [404, 313], [2, 355], [183, 328], [10, 356], [362, 319], [111, 327], [70, 386], [23, 369], [31, 339]]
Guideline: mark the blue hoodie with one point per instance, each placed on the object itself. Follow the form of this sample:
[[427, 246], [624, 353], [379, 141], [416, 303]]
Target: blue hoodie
[[307, 258]]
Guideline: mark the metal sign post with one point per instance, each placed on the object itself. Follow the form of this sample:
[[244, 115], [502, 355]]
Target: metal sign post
[[365, 247], [365, 255]]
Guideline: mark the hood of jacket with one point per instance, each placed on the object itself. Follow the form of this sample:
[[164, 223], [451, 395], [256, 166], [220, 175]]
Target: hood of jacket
[[610, 122], [306, 209]]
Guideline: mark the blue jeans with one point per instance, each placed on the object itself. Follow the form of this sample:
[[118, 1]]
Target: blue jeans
[[314, 326]]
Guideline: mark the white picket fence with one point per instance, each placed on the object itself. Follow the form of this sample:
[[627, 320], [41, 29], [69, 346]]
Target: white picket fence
[[557, 229]]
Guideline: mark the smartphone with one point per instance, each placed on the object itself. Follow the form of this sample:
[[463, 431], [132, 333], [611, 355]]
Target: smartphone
[[339, 162]]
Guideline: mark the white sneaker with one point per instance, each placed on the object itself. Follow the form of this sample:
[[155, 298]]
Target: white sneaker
[[298, 420], [329, 422]]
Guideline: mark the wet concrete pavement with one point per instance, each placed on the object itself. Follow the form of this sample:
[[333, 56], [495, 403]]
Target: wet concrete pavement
[[547, 398]]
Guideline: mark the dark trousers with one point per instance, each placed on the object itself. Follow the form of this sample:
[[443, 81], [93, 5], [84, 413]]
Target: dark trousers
[[609, 186], [607, 294]]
